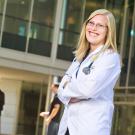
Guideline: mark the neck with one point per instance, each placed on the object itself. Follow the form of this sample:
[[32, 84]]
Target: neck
[[94, 47]]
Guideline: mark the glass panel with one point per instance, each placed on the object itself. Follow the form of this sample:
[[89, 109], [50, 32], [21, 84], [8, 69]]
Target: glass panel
[[92, 5], [1, 6], [1, 11], [117, 8], [131, 91], [15, 26], [132, 43], [29, 107], [18, 8], [124, 122], [128, 25], [72, 17], [0, 21], [119, 91], [42, 27]]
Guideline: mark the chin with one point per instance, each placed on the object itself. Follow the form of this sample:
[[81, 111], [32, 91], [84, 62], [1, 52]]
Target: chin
[[93, 43]]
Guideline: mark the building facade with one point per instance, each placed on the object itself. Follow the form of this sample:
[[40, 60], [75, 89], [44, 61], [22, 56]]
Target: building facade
[[37, 38]]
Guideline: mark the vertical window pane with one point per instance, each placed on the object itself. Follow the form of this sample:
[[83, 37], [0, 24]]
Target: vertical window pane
[[92, 5], [28, 108], [124, 120], [127, 39], [1, 10], [72, 17], [15, 26], [1, 6], [0, 21], [117, 8], [132, 45], [42, 27]]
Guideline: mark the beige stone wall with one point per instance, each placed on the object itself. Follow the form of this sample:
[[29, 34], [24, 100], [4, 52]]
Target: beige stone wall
[[9, 115]]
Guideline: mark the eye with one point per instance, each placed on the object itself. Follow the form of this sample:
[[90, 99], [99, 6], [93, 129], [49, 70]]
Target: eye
[[91, 23], [100, 26]]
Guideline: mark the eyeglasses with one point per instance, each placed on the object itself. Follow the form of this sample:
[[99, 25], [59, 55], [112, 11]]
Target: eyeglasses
[[98, 25]]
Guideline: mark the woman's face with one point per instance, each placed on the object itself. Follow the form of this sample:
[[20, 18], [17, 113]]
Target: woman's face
[[96, 30]]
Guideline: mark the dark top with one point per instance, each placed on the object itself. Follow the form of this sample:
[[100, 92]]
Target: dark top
[[54, 102], [2, 100]]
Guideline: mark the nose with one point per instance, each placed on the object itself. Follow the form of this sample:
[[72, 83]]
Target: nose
[[94, 27]]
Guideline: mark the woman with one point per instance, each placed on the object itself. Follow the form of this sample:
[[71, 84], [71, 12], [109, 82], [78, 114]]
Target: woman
[[87, 87]]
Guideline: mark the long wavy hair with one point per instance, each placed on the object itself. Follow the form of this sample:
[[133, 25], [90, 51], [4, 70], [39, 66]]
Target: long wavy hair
[[83, 45]]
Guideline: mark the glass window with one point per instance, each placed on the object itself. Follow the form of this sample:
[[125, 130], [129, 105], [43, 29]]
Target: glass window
[[72, 17], [124, 120], [1, 10], [117, 8], [15, 26], [1, 6], [31, 103], [132, 45], [0, 21], [42, 27], [92, 5], [127, 39]]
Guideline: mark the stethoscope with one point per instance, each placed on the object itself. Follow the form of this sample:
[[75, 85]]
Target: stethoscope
[[86, 70]]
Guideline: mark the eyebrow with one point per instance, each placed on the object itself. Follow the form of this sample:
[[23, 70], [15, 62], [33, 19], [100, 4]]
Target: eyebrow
[[97, 22]]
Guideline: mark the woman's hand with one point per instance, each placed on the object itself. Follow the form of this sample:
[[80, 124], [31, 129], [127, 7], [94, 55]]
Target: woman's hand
[[74, 100]]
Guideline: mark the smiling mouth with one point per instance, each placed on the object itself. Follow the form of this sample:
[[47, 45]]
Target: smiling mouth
[[93, 34]]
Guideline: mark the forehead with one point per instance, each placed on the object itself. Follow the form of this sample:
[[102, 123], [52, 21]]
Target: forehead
[[100, 19]]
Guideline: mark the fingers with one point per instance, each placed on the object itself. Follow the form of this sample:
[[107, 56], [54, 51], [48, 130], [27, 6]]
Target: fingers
[[44, 114]]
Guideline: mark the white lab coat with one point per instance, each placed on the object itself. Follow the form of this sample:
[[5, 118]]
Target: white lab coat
[[94, 115]]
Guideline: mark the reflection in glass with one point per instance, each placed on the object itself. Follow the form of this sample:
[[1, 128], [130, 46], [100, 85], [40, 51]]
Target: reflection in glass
[[1, 11], [132, 44], [15, 26], [128, 43], [18, 8], [124, 120], [72, 17], [1, 6], [92, 5], [132, 68], [43, 19], [0, 21], [29, 108], [42, 27], [117, 8]]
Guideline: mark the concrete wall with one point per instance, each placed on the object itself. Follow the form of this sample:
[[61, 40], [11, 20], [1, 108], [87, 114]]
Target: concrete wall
[[12, 89]]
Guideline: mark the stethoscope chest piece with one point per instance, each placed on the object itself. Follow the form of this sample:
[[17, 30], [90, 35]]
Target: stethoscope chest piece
[[86, 70]]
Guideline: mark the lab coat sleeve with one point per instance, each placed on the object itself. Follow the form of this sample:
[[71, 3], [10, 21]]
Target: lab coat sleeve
[[105, 72], [67, 78], [63, 99]]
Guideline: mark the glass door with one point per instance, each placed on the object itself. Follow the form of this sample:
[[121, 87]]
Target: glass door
[[32, 102], [124, 120]]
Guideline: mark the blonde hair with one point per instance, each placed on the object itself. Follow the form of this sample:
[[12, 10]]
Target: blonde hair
[[83, 44]]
